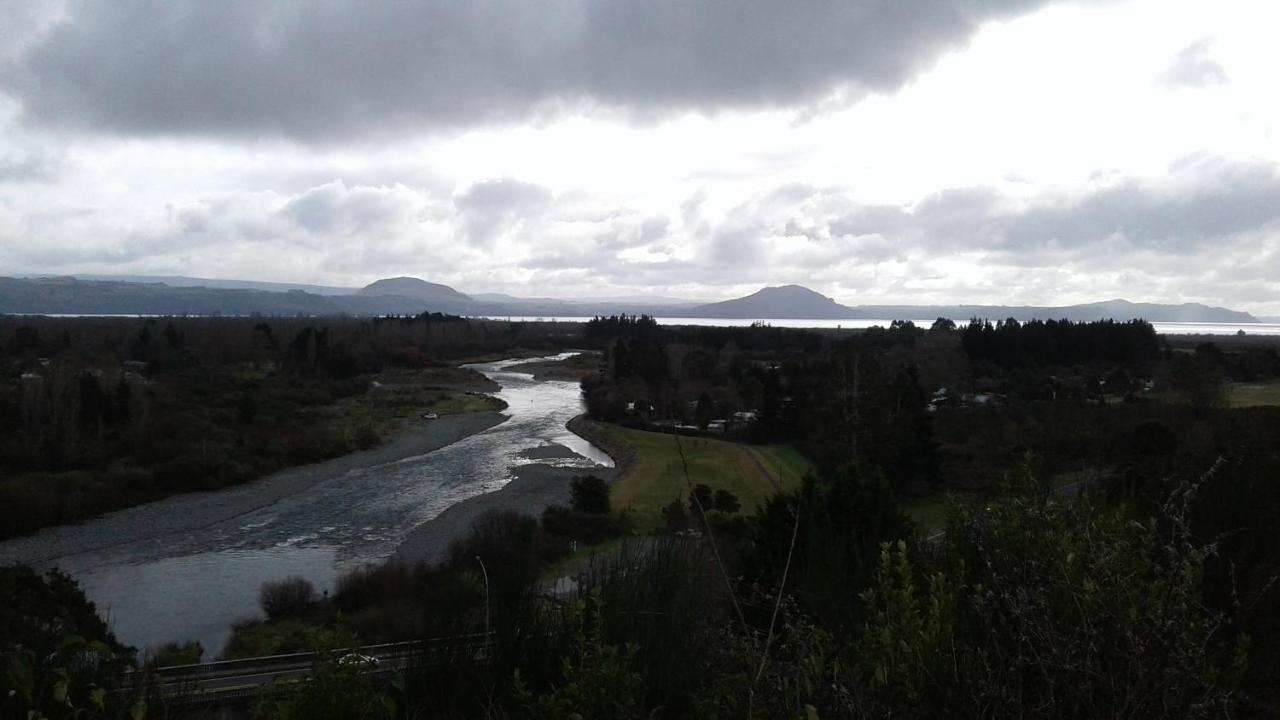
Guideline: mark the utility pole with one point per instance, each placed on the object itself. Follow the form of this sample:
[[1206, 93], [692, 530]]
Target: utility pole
[[485, 573]]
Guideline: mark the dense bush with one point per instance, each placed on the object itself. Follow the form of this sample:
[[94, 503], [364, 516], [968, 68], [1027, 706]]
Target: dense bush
[[58, 659], [1043, 605], [171, 654], [561, 523], [286, 598], [590, 494]]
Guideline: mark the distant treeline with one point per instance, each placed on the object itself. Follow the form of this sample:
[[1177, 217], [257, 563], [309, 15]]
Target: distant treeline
[[910, 402], [1036, 343]]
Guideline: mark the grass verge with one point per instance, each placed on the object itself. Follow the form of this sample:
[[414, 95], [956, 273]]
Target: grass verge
[[1240, 395]]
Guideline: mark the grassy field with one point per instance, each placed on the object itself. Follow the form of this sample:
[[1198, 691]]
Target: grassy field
[[1253, 394], [656, 477], [407, 394]]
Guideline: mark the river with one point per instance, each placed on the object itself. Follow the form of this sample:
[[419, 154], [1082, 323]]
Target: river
[[187, 567]]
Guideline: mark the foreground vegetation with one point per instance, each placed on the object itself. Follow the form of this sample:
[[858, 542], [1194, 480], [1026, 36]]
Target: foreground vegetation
[[1105, 549], [1123, 619]]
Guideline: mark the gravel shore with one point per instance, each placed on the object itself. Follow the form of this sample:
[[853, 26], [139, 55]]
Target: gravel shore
[[188, 512], [535, 488], [594, 432]]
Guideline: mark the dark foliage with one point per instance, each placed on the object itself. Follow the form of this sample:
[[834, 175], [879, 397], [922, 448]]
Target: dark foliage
[[590, 494], [286, 598], [1057, 343]]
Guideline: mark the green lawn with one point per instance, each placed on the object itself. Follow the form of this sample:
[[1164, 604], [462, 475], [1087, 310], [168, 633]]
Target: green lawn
[[1253, 394], [656, 477]]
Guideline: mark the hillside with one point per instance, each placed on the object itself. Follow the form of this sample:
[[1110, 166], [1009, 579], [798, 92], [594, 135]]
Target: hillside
[[416, 288], [219, 283], [796, 302], [785, 302], [410, 296], [69, 296]]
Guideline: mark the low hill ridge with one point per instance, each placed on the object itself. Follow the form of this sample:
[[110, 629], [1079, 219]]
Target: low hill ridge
[[795, 302], [781, 302], [412, 287]]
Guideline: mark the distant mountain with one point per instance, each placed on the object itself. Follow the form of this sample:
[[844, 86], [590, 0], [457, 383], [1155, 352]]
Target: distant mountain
[[198, 296], [1155, 312], [415, 288], [793, 302], [185, 281], [1106, 310], [68, 295], [410, 296], [789, 302]]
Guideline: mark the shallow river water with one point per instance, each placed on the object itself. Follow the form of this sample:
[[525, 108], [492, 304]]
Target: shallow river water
[[166, 572]]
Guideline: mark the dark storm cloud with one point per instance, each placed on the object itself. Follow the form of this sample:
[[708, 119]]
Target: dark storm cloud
[[1193, 67], [336, 209], [338, 69], [1228, 201], [1201, 201]]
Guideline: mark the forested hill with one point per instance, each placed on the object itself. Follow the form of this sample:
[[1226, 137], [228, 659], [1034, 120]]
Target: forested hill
[[410, 296], [786, 302], [411, 287], [796, 302], [61, 295], [394, 296]]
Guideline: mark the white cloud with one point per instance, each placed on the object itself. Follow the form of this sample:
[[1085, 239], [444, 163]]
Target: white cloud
[[1048, 160]]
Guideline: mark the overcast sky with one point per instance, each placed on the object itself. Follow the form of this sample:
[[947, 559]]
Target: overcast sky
[[878, 151]]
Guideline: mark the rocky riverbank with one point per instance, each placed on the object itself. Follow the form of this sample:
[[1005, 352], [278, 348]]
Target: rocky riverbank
[[191, 511], [595, 433], [533, 489]]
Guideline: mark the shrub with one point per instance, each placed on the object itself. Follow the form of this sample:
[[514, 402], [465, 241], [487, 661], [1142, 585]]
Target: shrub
[[366, 437], [124, 476], [1044, 604], [286, 598], [171, 654], [726, 502], [585, 527], [701, 499], [675, 517], [590, 494]]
